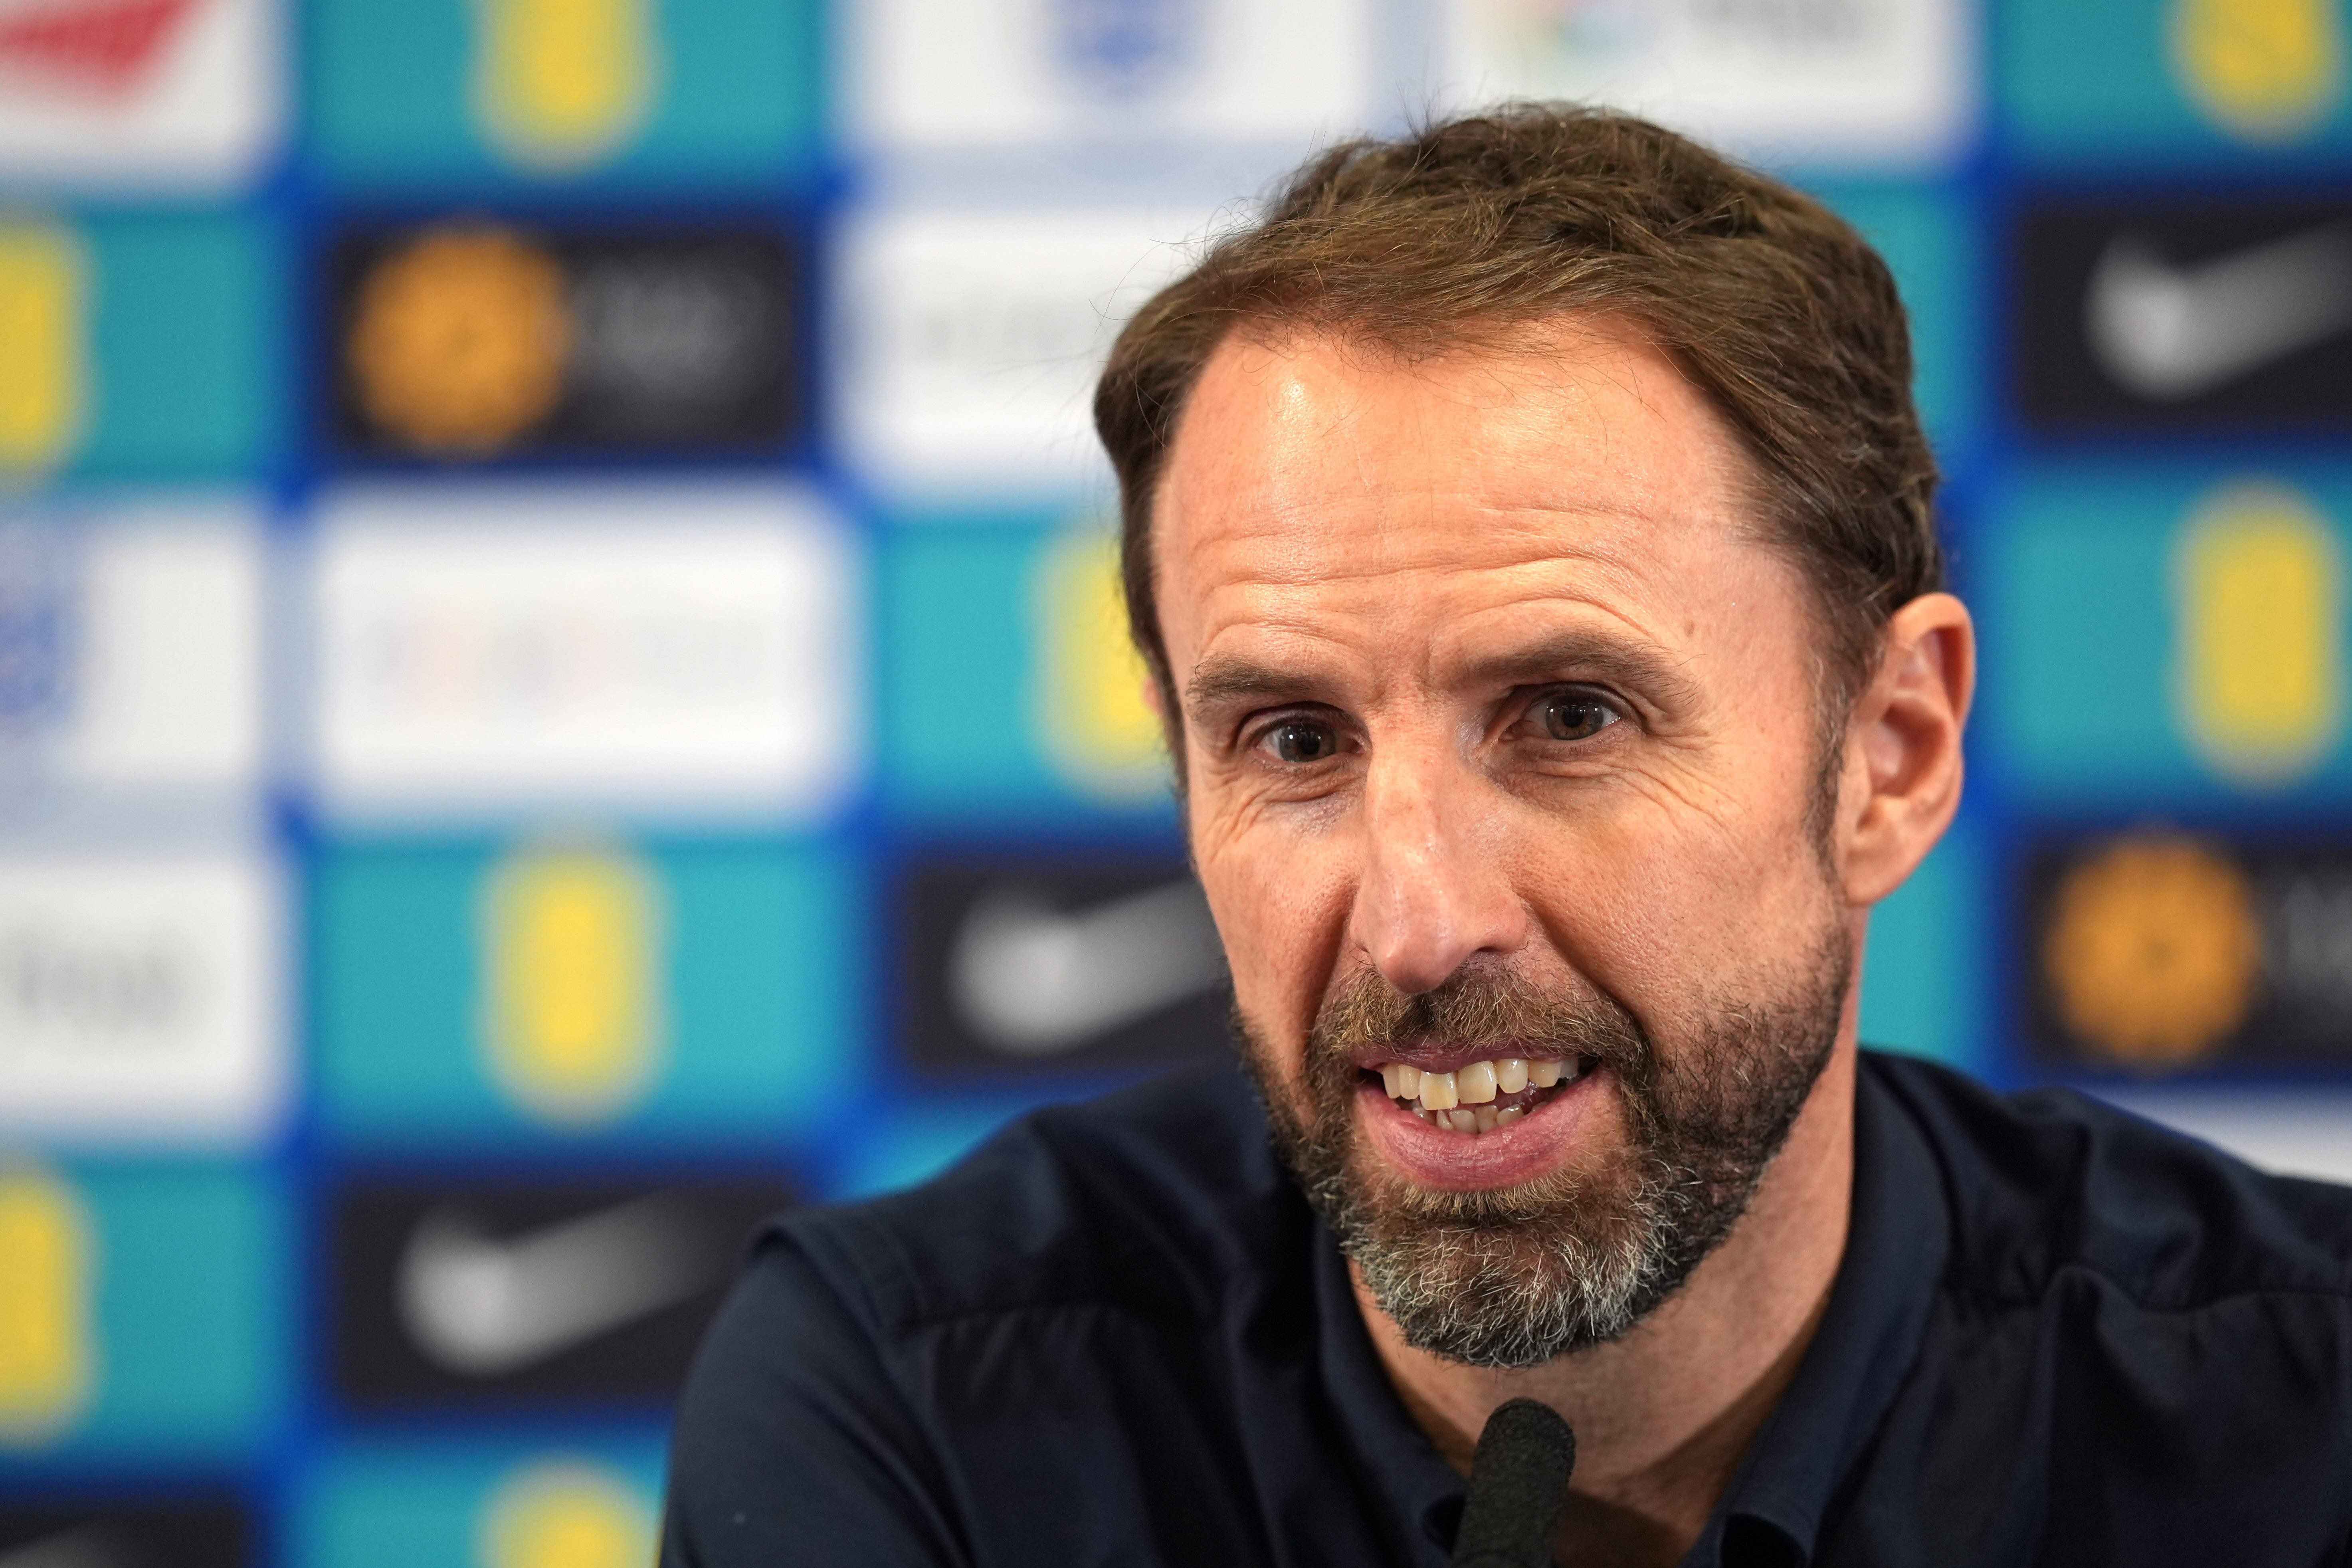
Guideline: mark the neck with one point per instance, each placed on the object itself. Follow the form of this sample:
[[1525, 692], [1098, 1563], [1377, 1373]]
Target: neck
[[1663, 1416]]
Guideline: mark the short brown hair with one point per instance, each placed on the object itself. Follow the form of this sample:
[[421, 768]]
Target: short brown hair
[[1772, 305]]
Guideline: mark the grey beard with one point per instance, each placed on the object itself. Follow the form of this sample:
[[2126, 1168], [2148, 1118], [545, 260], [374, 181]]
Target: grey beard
[[1491, 1294], [1511, 1278]]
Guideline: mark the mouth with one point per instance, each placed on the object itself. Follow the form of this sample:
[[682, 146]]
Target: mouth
[[1476, 1097]]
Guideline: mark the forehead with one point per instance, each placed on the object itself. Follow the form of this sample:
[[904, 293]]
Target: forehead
[[1313, 475]]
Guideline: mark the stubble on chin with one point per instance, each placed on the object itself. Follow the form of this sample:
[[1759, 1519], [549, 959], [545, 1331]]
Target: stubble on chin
[[1513, 1277]]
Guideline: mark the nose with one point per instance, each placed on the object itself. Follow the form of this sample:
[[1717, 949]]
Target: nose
[[1435, 888]]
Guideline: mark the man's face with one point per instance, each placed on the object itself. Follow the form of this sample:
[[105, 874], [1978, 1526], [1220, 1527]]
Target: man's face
[[1502, 743]]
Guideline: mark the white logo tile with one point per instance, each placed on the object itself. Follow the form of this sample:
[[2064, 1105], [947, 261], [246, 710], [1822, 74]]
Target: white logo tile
[[139, 92], [131, 650], [633, 646], [968, 343], [1885, 82], [1006, 73], [137, 997]]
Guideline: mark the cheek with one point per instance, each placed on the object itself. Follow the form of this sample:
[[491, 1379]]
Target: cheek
[[1281, 908], [1659, 909]]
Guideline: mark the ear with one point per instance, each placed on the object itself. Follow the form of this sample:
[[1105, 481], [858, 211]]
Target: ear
[[1902, 773]]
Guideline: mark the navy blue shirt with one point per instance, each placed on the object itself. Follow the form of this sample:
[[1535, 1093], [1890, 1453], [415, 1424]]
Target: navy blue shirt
[[1116, 1335]]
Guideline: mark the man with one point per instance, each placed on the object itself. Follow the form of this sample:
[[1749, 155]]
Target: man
[[1527, 530]]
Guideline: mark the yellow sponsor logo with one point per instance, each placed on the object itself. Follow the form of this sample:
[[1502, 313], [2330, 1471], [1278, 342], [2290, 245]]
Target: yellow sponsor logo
[[2258, 639], [2265, 70], [1086, 696], [560, 85], [43, 363], [47, 1263], [458, 340], [565, 1513], [2153, 951], [572, 981]]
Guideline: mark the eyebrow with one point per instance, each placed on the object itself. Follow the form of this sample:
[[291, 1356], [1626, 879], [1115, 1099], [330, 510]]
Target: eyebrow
[[1582, 655], [1222, 679], [1566, 655]]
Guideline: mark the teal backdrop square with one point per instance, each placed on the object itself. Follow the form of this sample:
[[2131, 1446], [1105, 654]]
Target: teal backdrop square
[[740, 101], [2091, 82], [194, 1318], [956, 677], [1927, 236], [186, 346], [764, 964], [1927, 969], [388, 1503], [2075, 596]]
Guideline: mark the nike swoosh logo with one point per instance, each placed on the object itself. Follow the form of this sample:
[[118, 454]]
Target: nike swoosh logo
[[483, 1308], [2168, 333], [87, 1547], [1032, 981]]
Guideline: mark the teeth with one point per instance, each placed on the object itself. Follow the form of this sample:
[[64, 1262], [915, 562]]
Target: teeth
[[1471, 1118], [1447, 1097]]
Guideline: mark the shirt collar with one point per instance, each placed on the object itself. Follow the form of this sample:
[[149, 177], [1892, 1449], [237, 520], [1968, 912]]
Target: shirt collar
[[1869, 1334], [1412, 1477]]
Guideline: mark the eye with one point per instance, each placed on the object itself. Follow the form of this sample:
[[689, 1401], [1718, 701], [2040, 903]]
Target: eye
[[1296, 741], [1572, 716]]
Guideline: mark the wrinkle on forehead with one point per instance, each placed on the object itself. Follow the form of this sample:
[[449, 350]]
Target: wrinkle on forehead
[[1339, 476], [1458, 618]]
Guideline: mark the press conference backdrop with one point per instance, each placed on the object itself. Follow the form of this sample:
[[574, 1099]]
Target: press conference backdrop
[[560, 681]]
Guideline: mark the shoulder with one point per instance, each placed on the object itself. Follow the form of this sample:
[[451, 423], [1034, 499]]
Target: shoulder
[[2051, 1185], [903, 1357], [2138, 1349], [1150, 1200]]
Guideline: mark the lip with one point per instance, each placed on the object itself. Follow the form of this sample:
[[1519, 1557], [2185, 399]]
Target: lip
[[1533, 1146]]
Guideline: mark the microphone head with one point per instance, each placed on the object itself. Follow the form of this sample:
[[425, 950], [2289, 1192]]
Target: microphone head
[[1519, 1488]]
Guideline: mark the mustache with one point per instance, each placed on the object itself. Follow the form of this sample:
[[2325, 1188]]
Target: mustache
[[1482, 1006]]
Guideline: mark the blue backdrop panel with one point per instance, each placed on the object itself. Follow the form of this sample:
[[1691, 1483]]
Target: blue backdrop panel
[[972, 729], [424, 95], [746, 1036], [1926, 988], [502, 1504], [153, 1310], [1929, 237], [2160, 84], [158, 339], [2088, 584]]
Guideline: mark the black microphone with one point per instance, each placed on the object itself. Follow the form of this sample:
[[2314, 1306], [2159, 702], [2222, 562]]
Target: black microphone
[[1519, 1487]]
